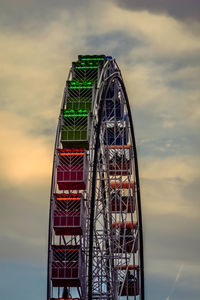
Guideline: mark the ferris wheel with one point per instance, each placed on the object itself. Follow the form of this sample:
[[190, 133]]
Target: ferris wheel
[[95, 247]]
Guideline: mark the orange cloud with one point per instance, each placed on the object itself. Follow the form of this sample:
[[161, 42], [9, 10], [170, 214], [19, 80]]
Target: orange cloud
[[25, 159]]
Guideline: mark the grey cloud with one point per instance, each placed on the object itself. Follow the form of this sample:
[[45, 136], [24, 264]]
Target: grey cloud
[[43, 127], [156, 140], [118, 43], [171, 241], [31, 15], [24, 223], [170, 145], [174, 240], [177, 8], [191, 193]]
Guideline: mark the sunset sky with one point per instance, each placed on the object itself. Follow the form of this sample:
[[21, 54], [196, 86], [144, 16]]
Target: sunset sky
[[157, 46]]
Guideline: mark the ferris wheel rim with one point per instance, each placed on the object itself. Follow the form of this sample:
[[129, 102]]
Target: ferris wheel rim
[[97, 143]]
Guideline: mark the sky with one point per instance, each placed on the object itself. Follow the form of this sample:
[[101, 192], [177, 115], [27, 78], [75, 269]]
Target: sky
[[157, 46]]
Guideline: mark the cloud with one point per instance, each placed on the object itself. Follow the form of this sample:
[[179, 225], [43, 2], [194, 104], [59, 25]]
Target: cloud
[[159, 58], [32, 15], [24, 158], [182, 168], [162, 34], [24, 221], [29, 65], [166, 183], [178, 8], [167, 192], [161, 62]]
